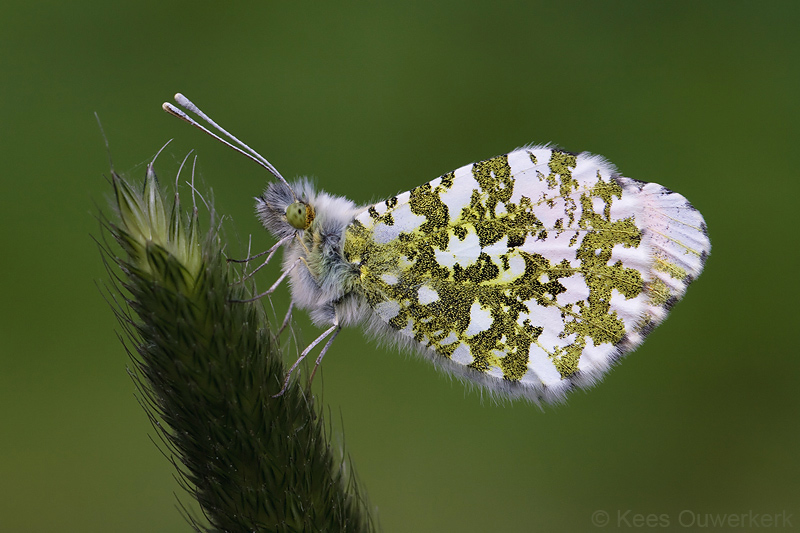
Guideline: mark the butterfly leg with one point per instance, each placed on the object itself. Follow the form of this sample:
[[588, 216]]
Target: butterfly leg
[[286, 319], [322, 353], [271, 253], [332, 330], [274, 285]]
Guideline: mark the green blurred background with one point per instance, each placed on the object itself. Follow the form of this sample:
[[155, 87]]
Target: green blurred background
[[372, 99]]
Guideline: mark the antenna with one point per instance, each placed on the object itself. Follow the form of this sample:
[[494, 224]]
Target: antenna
[[244, 150]]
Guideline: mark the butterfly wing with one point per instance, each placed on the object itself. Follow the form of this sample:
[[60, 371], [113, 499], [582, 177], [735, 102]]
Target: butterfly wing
[[535, 270]]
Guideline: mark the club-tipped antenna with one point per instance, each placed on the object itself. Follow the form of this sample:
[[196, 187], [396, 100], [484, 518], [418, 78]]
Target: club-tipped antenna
[[242, 148]]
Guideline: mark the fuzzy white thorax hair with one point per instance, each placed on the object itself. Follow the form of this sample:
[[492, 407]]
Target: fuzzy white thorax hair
[[319, 283]]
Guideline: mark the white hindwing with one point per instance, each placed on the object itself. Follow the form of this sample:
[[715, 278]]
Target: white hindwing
[[529, 273]]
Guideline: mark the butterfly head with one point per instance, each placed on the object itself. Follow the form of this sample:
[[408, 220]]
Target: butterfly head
[[284, 209]]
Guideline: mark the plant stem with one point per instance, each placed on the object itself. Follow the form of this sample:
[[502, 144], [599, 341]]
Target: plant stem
[[206, 370]]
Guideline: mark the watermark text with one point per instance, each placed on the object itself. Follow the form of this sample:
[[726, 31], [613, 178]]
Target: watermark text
[[691, 519]]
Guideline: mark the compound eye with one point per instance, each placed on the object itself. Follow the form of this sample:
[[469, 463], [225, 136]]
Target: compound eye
[[300, 215]]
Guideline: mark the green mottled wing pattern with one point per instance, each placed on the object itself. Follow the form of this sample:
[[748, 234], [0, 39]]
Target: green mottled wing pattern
[[535, 270]]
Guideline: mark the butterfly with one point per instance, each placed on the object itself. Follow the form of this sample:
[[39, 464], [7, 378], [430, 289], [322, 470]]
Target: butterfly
[[528, 274]]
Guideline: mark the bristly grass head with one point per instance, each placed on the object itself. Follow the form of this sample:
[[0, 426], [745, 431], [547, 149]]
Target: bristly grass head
[[206, 369], [145, 223]]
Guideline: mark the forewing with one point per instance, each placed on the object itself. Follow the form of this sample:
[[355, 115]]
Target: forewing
[[538, 268]]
